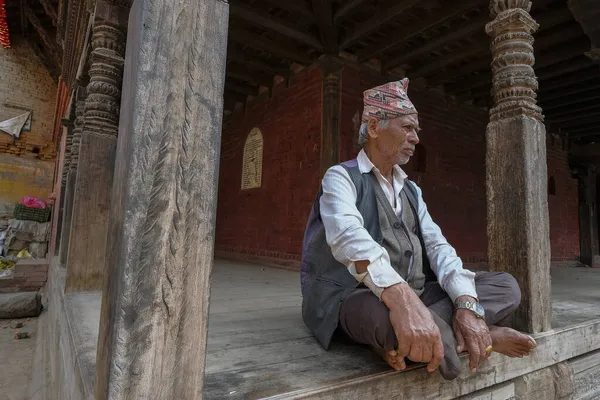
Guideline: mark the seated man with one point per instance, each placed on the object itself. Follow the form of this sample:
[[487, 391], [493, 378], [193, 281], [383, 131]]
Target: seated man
[[377, 268]]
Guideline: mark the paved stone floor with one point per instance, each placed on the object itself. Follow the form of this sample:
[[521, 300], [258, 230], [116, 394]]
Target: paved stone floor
[[16, 358]]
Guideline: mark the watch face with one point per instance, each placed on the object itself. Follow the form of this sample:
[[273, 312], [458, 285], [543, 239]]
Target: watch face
[[479, 309]]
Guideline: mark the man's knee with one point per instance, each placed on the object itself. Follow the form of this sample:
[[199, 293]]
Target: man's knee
[[511, 290]]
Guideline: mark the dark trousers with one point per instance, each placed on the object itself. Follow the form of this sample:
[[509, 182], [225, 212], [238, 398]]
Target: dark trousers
[[365, 319]]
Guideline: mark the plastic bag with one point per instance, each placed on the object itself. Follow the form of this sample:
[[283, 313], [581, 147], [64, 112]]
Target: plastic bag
[[32, 202], [24, 254]]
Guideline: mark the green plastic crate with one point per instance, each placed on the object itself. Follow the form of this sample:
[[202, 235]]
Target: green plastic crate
[[32, 214]]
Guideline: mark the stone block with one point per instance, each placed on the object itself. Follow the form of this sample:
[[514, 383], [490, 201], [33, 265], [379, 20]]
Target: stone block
[[20, 305]]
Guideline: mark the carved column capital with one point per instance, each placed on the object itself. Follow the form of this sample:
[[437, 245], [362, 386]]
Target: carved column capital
[[331, 85], [77, 130], [106, 73], [514, 84]]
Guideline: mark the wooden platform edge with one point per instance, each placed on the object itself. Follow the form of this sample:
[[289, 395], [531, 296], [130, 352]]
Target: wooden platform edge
[[554, 346]]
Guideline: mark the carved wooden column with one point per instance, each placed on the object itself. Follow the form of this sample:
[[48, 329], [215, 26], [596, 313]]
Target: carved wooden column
[[516, 172], [89, 227], [588, 217], [67, 142], [330, 127], [71, 180], [153, 324]]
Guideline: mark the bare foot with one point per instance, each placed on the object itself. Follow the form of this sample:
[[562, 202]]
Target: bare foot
[[511, 343]]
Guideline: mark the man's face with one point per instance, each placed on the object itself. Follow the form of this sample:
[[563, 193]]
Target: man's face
[[397, 142]]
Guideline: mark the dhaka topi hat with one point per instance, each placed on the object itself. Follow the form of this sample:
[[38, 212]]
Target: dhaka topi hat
[[387, 101]]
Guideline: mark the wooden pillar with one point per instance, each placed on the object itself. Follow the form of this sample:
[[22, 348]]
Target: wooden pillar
[[588, 219], [86, 260], [153, 323], [71, 178], [330, 127], [516, 171]]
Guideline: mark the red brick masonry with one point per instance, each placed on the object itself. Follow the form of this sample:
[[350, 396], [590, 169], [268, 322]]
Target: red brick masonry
[[29, 276]]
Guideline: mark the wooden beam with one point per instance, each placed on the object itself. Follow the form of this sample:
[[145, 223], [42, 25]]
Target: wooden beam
[[268, 21], [575, 116], [261, 43], [24, 25], [477, 24], [323, 10], [584, 133], [579, 77], [545, 55], [563, 52], [241, 88], [562, 102], [574, 124], [481, 45], [408, 32], [296, 8], [553, 71], [50, 44], [244, 74], [345, 9], [50, 11], [470, 50], [568, 111], [258, 63], [564, 68], [46, 59], [154, 317], [546, 96], [376, 22]]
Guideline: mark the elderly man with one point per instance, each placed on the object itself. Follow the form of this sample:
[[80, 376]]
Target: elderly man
[[378, 269]]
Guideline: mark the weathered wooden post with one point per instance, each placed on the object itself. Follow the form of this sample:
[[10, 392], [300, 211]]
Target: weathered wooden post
[[71, 173], [89, 225], [153, 324], [516, 172]]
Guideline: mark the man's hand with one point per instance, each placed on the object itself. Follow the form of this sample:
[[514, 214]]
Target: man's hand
[[418, 336], [472, 334]]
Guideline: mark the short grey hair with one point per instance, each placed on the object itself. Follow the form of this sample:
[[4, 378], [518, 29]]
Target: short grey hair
[[363, 132]]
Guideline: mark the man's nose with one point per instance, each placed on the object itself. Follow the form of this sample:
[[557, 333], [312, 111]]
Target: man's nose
[[413, 138]]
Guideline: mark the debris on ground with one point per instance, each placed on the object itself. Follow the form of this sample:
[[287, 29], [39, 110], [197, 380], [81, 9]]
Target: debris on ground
[[16, 325], [22, 335]]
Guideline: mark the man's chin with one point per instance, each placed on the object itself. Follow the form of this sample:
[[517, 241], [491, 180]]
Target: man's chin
[[403, 160]]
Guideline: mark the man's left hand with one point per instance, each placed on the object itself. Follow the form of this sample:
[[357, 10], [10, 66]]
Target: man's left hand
[[472, 334]]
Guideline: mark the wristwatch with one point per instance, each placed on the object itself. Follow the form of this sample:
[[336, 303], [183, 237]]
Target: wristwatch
[[473, 306]]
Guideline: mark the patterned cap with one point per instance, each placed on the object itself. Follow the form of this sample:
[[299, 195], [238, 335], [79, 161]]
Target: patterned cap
[[387, 101]]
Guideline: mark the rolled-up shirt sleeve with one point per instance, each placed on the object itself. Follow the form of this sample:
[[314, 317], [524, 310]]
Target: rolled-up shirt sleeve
[[444, 261], [344, 229]]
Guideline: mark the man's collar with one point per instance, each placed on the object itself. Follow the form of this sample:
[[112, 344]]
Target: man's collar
[[365, 165]]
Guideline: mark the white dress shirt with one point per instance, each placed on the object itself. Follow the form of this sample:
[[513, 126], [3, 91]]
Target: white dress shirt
[[350, 241]]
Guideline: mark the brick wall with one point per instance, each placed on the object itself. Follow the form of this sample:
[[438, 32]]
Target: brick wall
[[20, 176], [29, 276], [26, 85], [563, 206], [269, 221]]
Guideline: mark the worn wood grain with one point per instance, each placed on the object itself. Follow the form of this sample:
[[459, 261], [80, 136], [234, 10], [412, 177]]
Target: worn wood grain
[[155, 303], [518, 226], [553, 347]]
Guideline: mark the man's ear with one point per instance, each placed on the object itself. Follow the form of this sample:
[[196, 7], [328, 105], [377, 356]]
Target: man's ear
[[372, 128]]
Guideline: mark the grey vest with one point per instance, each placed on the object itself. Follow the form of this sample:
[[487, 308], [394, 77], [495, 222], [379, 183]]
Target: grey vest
[[326, 282]]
